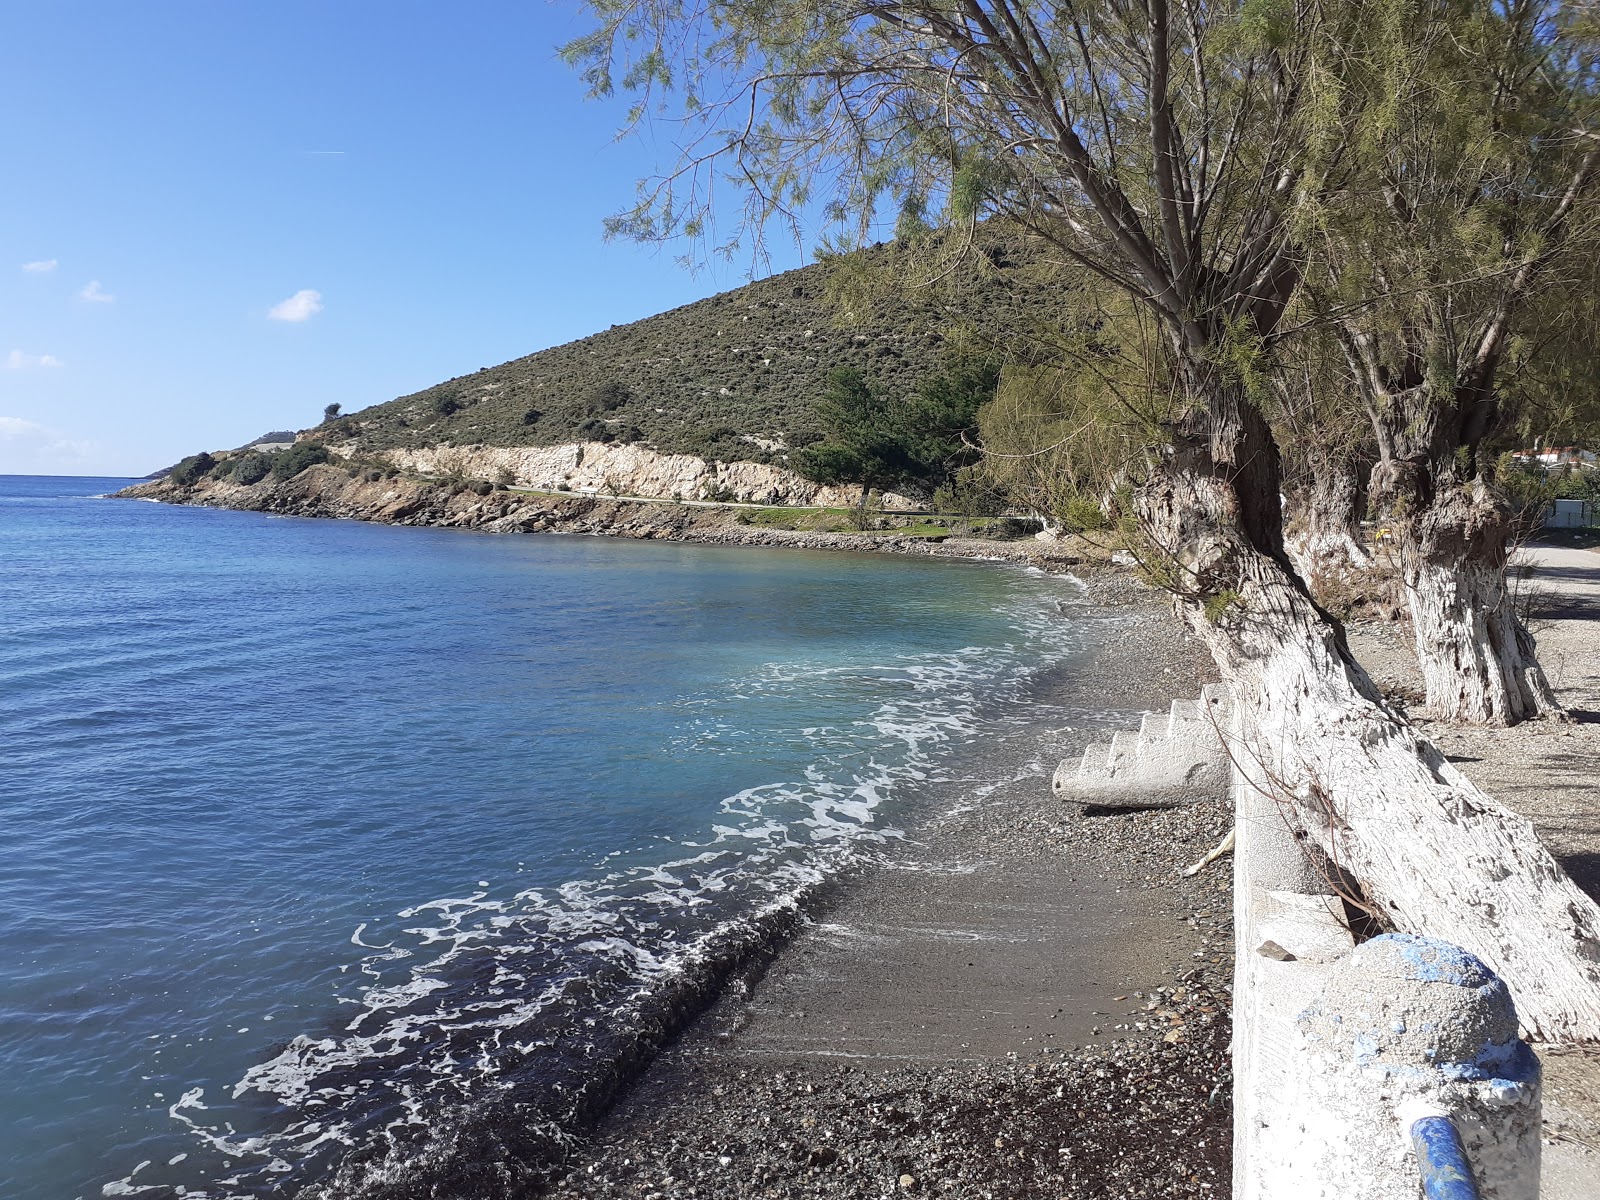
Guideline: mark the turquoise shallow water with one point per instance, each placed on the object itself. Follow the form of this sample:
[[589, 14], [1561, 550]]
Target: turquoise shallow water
[[343, 852]]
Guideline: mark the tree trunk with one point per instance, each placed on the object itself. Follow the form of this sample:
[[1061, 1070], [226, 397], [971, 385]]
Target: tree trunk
[[1477, 657], [1432, 853], [1324, 537]]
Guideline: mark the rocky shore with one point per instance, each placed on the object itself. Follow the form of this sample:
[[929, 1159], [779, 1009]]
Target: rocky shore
[[333, 491]]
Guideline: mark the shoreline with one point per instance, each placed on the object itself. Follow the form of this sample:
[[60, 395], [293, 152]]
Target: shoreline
[[331, 492], [1013, 978]]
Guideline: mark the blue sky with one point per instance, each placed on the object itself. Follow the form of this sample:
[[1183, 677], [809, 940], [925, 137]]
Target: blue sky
[[420, 184]]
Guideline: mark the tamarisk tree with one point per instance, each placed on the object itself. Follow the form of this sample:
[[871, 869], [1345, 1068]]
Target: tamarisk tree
[[1477, 138], [1168, 149]]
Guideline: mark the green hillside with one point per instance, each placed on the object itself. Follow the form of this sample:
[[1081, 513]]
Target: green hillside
[[734, 377]]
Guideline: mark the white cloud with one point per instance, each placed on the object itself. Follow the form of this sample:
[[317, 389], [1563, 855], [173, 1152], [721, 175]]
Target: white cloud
[[302, 306], [27, 444], [18, 361], [40, 267], [93, 291]]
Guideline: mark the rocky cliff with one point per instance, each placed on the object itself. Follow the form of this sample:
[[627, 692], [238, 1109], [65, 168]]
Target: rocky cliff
[[627, 470]]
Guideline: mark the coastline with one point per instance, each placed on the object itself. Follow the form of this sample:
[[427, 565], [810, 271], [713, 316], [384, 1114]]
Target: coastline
[[332, 492], [1019, 1001], [1013, 973]]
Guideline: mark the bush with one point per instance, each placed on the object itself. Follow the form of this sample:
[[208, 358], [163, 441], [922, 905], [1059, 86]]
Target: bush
[[192, 469], [446, 406], [1082, 515], [608, 396], [531, 417], [286, 464], [482, 486], [252, 468]]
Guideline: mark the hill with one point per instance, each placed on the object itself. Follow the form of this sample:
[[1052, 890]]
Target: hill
[[733, 377]]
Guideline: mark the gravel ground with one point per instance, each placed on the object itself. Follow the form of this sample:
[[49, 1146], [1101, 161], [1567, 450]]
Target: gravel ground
[[915, 1075]]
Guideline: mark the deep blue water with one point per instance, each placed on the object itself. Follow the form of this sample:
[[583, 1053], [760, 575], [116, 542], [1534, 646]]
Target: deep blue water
[[328, 847]]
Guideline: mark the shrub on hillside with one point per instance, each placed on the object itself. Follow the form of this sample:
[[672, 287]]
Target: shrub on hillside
[[608, 396], [286, 464], [189, 472], [251, 468], [594, 430]]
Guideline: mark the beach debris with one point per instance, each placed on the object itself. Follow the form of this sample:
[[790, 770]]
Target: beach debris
[[1223, 847]]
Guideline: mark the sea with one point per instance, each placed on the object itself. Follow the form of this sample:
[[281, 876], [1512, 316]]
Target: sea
[[344, 860]]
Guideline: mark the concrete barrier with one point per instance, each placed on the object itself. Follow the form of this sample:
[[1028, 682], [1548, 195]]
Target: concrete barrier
[[1342, 1053]]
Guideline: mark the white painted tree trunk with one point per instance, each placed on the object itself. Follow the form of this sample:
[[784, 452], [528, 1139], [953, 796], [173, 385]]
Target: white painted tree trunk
[[1479, 661], [1323, 533], [1432, 853]]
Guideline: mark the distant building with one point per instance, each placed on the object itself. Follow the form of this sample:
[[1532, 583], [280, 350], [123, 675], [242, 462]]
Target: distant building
[[1570, 514], [273, 442], [1554, 457]]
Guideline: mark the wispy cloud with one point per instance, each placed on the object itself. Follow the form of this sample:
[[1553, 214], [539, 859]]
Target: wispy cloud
[[40, 267], [18, 361], [302, 306], [29, 443], [94, 292]]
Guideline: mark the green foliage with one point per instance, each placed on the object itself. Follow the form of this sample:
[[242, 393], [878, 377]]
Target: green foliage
[[192, 469], [330, 412], [609, 396], [286, 464], [915, 444], [252, 467], [1081, 514], [1218, 604], [1072, 425], [969, 495]]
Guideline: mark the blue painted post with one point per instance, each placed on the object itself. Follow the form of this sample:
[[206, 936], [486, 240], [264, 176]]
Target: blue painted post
[[1446, 1173]]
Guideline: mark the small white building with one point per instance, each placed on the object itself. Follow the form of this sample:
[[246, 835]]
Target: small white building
[[269, 446], [1570, 514]]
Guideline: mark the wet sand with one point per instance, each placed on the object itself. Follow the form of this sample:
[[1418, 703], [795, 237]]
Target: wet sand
[[1019, 1000]]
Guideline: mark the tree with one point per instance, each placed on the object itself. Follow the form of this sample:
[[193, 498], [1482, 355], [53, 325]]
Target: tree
[[330, 412], [915, 444], [1170, 151], [863, 443], [1478, 134]]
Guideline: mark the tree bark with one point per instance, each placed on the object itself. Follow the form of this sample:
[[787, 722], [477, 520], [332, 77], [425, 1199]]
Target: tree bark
[[1478, 659], [1432, 853], [1324, 537]]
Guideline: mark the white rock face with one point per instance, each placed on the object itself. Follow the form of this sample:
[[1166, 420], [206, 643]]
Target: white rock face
[[629, 470]]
